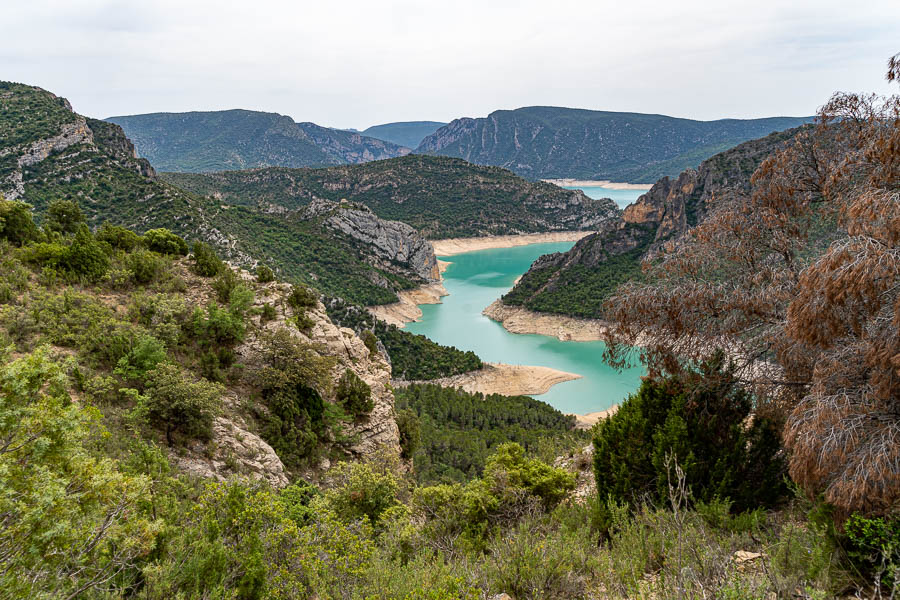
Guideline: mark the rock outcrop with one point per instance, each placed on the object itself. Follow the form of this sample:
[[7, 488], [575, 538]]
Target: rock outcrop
[[541, 142], [394, 246], [657, 220]]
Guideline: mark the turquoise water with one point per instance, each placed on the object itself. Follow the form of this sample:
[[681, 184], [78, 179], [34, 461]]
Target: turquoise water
[[476, 279], [622, 198]]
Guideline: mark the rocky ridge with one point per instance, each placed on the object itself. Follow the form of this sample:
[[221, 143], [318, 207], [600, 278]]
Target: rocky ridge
[[655, 221], [540, 142], [235, 448]]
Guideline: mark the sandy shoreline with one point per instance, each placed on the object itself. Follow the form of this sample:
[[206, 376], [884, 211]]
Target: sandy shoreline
[[587, 421], [407, 309], [509, 380], [451, 246], [516, 319], [610, 185]]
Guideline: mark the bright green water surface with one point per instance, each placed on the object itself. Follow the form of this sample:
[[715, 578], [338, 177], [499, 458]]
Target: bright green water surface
[[476, 279]]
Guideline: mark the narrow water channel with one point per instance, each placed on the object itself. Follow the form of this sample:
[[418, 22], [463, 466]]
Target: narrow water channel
[[474, 280]]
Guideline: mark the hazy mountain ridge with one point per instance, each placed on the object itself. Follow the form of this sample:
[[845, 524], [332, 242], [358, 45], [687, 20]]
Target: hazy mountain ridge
[[405, 133], [240, 139], [552, 142]]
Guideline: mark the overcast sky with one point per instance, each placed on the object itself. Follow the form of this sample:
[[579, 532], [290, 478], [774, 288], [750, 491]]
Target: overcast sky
[[348, 63]]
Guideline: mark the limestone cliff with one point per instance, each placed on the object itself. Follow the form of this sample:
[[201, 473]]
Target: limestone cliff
[[394, 246], [236, 448]]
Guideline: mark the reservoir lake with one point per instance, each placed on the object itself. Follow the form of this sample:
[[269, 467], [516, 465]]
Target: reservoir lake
[[474, 280], [622, 198]]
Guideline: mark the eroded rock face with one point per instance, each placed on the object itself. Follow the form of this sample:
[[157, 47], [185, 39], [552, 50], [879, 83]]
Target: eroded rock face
[[233, 450], [72, 133], [236, 448], [395, 246], [379, 429]]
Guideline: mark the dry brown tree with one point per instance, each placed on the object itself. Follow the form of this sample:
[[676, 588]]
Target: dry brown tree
[[800, 283]]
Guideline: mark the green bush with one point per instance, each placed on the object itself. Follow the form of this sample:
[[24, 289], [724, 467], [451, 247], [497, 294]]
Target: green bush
[[363, 490], [144, 356], [410, 432], [264, 274], [700, 418], [224, 284], [144, 266], [206, 262], [302, 297], [86, 257], [509, 467], [119, 238], [165, 242], [370, 341], [63, 216], [355, 394], [16, 222], [268, 313], [297, 417], [178, 403], [873, 547]]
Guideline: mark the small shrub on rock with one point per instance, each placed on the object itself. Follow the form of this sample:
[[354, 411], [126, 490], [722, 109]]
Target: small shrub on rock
[[355, 394]]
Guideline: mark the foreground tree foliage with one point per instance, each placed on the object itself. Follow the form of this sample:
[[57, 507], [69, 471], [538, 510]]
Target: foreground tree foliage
[[799, 283], [71, 523], [697, 419]]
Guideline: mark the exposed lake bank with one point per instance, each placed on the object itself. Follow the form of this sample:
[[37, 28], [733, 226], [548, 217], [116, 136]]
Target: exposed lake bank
[[453, 246], [516, 319], [509, 380], [603, 183]]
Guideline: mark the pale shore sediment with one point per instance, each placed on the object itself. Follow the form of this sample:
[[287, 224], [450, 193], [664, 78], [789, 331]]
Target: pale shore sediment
[[451, 246], [516, 319], [509, 380], [407, 309], [587, 421], [610, 185]]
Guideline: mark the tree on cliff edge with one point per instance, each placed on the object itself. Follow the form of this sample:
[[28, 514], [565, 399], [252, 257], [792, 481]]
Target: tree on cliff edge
[[800, 283]]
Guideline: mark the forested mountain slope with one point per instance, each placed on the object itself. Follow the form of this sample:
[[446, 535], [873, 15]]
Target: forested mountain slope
[[577, 282], [552, 142], [440, 197], [53, 153], [241, 139]]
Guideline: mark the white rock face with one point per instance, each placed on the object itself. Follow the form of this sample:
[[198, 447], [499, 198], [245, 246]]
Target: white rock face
[[70, 133]]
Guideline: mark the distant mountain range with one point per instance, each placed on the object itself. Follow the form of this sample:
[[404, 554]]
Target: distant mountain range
[[407, 133], [242, 139], [548, 142]]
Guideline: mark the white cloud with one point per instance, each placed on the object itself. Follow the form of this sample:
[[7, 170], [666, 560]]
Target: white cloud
[[355, 63]]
